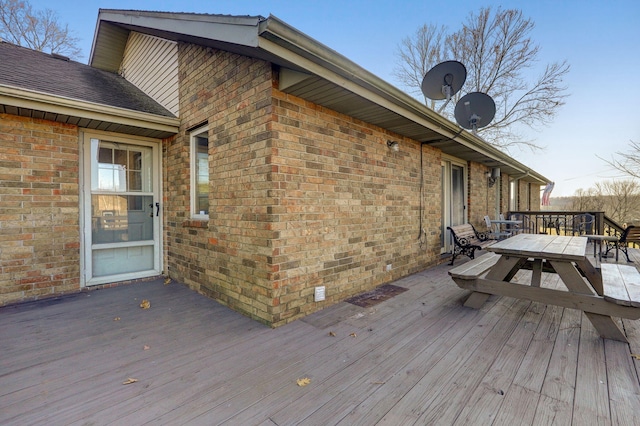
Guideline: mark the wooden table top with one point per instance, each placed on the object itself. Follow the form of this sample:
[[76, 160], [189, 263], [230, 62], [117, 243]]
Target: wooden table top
[[541, 246]]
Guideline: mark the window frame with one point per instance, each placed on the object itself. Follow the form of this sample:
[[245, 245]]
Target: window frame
[[193, 140]]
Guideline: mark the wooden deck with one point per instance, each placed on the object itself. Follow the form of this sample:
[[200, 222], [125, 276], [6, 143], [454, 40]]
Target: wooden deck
[[418, 358]]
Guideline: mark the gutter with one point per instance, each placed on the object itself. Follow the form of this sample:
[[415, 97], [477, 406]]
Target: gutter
[[23, 98], [279, 38]]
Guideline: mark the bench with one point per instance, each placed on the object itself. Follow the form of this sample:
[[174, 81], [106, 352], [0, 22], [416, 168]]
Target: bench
[[621, 284], [466, 274], [467, 240]]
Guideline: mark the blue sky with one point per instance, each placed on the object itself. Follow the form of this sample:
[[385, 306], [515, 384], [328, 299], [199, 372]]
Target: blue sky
[[599, 39]]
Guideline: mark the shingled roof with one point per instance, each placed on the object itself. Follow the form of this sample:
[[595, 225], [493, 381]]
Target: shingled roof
[[56, 75]]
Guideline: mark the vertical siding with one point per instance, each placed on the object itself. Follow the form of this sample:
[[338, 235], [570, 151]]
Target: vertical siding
[[151, 64]]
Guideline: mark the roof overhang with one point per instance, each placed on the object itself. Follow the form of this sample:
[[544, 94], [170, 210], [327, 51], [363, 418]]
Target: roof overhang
[[310, 71], [88, 115]]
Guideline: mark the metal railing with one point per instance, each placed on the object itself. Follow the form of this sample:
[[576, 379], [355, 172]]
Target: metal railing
[[567, 223]]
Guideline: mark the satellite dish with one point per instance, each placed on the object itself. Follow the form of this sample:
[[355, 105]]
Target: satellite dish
[[443, 81], [475, 110]]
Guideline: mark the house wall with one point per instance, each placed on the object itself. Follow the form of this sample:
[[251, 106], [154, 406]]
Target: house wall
[[227, 256], [481, 198], [301, 196], [39, 210], [349, 207]]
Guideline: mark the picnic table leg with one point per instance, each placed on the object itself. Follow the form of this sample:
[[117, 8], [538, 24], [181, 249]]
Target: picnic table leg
[[606, 327], [476, 300], [536, 273]]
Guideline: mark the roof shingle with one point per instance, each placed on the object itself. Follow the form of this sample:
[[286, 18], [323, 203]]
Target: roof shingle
[[56, 75]]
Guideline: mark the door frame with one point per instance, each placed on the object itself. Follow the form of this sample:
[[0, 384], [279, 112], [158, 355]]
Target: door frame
[[85, 206], [446, 163]]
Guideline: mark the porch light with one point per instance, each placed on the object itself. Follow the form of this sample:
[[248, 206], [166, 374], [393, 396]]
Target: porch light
[[493, 176], [394, 146]]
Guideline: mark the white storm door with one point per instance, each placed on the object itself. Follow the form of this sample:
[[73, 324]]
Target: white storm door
[[122, 212]]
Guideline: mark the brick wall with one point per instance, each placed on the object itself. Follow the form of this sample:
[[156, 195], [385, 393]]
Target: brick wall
[[39, 232], [349, 206], [227, 256], [482, 199], [301, 196]]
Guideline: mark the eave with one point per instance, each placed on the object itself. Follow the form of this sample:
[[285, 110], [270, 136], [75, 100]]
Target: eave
[[309, 70], [88, 115]]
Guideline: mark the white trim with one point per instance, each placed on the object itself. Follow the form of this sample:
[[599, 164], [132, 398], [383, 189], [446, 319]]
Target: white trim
[[23, 98], [192, 168], [446, 162], [86, 249]]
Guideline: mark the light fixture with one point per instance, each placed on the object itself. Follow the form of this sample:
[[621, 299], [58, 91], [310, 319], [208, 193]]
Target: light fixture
[[493, 176], [394, 146]]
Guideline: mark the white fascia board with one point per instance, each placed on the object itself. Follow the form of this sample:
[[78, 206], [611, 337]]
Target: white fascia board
[[339, 70], [231, 29], [65, 106]]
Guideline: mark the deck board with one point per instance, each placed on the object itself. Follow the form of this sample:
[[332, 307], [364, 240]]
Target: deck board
[[420, 357]]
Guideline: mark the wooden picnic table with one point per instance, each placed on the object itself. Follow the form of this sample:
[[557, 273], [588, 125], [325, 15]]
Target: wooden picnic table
[[564, 255]]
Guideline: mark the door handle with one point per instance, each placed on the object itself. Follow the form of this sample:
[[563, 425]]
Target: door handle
[[151, 207], [157, 209]]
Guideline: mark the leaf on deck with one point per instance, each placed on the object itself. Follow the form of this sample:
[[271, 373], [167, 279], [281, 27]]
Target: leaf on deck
[[129, 381], [303, 382], [636, 356], [145, 304]]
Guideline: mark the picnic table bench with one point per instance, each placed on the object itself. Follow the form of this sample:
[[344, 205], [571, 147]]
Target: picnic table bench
[[613, 292], [621, 284], [467, 240]]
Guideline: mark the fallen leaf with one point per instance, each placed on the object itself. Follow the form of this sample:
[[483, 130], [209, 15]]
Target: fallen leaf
[[332, 334], [145, 304], [146, 348], [129, 381], [378, 383], [303, 382], [167, 280], [116, 319], [353, 335], [636, 356]]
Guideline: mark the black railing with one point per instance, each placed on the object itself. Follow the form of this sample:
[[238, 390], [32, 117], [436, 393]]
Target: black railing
[[567, 223], [560, 222]]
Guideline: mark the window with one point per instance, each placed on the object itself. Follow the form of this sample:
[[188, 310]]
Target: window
[[200, 173]]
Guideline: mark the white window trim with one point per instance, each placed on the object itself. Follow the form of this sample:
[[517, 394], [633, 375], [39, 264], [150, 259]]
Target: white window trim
[[192, 141]]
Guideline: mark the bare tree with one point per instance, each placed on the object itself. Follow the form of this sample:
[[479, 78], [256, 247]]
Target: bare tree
[[417, 55], [622, 199], [628, 162], [587, 200], [37, 29], [619, 199], [498, 53]]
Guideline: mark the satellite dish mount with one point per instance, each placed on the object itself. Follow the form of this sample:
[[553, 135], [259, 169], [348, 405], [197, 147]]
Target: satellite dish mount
[[475, 110], [443, 81]]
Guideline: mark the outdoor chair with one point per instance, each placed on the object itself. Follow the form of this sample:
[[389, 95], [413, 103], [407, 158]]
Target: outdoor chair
[[550, 222], [582, 224], [493, 230]]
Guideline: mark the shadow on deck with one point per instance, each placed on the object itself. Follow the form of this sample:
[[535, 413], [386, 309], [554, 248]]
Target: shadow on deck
[[417, 358]]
